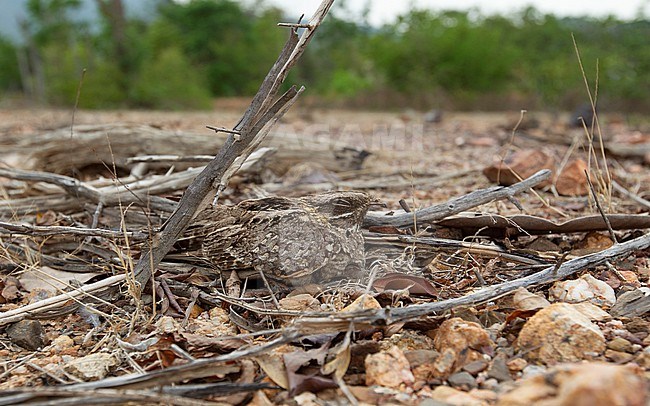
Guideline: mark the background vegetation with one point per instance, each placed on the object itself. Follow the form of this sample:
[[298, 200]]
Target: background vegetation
[[186, 54]]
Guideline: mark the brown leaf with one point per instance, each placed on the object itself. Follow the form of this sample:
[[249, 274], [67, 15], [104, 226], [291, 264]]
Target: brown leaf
[[385, 230], [341, 361], [302, 376], [9, 289], [273, 366], [414, 284], [521, 314], [52, 280]]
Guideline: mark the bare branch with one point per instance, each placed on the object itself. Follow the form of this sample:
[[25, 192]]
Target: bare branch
[[457, 205]]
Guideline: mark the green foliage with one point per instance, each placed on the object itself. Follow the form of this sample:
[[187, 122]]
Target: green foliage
[[191, 51], [49, 20], [9, 72], [336, 64], [169, 82], [235, 47]]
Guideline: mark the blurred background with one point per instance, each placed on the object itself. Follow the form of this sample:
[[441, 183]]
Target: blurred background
[[460, 55]]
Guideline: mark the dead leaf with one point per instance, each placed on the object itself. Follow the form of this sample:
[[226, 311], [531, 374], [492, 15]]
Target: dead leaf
[[414, 284], [341, 361], [385, 230], [9, 289], [302, 375], [273, 366], [521, 314], [52, 280]]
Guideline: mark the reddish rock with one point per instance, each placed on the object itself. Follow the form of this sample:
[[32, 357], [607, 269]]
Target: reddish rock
[[572, 180], [517, 364], [451, 396], [618, 356], [560, 333], [520, 164], [587, 384], [388, 368], [462, 342]]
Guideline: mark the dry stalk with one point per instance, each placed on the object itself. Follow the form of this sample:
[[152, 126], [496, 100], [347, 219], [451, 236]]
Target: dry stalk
[[603, 176]]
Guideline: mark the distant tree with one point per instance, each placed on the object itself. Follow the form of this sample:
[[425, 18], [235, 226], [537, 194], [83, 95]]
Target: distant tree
[[114, 17], [221, 37], [47, 31], [10, 80]]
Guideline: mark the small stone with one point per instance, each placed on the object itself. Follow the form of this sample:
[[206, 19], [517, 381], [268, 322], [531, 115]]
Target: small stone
[[63, 344], [388, 368], [462, 380], [633, 303], [27, 334], [593, 312], [638, 325], [433, 402], [620, 344], [594, 383], [618, 356], [419, 357], [520, 164], [572, 181], [475, 367], [302, 302], [489, 396], [502, 342], [433, 116], [499, 370], [422, 363], [468, 341], [532, 370], [363, 302], [517, 364], [585, 288], [91, 367], [525, 300], [451, 396], [444, 364], [167, 325], [643, 359], [490, 384]]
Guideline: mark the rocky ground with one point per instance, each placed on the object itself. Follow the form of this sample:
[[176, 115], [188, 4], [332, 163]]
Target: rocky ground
[[581, 336]]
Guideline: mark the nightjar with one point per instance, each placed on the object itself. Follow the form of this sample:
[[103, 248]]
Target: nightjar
[[290, 240]]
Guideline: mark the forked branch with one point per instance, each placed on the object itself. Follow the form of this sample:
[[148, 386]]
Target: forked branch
[[262, 113]]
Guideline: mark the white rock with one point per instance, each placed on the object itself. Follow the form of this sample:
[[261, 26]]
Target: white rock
[[586, 288]]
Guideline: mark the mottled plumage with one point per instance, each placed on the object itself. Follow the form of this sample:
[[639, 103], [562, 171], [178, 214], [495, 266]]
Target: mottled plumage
[[292, 240]]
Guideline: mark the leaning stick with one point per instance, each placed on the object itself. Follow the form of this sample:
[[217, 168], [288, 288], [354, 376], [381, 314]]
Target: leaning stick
[[263, 111]]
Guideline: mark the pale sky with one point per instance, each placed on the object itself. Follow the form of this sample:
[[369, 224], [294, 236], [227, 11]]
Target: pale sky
[[382, 11]]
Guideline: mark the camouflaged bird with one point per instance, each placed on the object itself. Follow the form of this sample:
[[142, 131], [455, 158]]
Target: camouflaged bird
[[290, 240]]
